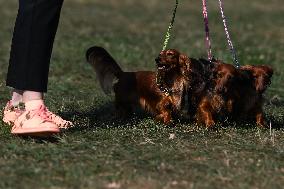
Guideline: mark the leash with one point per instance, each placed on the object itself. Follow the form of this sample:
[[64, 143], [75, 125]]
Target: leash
[[168, 34], [159, 78], [206, 27], [207, 35], [230, 43]]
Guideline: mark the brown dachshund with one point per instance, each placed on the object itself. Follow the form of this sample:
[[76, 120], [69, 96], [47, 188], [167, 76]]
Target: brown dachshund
[[236, 93], [195, 76], [250, 101], [200, 74], [217, 100], [139, 89]]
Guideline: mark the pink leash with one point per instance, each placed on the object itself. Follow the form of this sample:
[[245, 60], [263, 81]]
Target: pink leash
[[206, 26], [230, 43], [208, 42]]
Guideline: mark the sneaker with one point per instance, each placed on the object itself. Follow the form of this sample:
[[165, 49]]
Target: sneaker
[[34, 121], [11, 113], [61, 123]]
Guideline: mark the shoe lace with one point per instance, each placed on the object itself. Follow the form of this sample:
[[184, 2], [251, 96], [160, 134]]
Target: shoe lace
[[54, 116], [47, 115], [42, 112], [60, 120]]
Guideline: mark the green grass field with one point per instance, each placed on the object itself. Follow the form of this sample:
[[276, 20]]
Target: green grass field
[[101, 152]]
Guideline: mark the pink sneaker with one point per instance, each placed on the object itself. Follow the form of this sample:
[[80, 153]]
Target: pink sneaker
[[34, 121], [61, 123], [11, 113]]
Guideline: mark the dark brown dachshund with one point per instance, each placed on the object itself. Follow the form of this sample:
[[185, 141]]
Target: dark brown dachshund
[[139, 89], [237, 93], [219, 97], [250, 102]]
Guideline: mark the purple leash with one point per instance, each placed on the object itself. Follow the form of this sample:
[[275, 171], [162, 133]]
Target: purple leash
[[206, 23], [230, 43]]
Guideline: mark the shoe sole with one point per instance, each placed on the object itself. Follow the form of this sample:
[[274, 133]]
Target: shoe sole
[[60, 126], [33, 132], [11, 123]]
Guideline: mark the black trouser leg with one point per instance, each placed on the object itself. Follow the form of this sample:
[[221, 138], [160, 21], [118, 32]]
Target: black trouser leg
[[32, 43]]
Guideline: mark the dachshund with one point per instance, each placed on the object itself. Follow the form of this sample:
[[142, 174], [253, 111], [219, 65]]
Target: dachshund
[[200, 82], [250, 101], [139, 89], [236, 93], [219, 97], [195, 72]]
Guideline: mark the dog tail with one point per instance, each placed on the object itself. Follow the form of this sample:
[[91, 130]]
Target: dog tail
[[106, 68]]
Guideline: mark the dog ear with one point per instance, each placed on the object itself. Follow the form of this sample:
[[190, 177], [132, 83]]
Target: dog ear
[[184, 61], [185, 64], [268, 70]]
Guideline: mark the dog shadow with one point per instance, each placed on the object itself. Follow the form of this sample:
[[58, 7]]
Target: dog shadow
[[103, 117], [271, 121]]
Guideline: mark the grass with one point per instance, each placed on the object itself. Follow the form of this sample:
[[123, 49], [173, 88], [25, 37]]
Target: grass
[[101, 152]]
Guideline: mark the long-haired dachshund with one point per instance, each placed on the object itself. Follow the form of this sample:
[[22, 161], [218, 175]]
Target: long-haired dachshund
[[201, 76], [217, 100], [139, 89], [236, 93], [250, 101]]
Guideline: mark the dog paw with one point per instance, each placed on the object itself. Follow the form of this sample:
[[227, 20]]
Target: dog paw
[[209, 124], [262, 125], [167, 120]]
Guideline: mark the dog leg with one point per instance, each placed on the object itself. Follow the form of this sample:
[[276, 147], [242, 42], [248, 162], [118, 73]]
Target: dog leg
[[259, 116], [204, 114], [260, 120], [164, 109], [165, 118]]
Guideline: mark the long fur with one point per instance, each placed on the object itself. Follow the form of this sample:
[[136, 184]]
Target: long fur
[[139, 89], [250, 102], [106, 68], [237, 93], [218, 99]]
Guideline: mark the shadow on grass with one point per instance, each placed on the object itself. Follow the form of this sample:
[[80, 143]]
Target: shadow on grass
[[42, 140], [104, 117]]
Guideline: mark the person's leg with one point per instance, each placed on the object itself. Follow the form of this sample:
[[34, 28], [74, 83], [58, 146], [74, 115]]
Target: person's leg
[[32, 95], [17, 97], [31, 49], [32, 44]]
